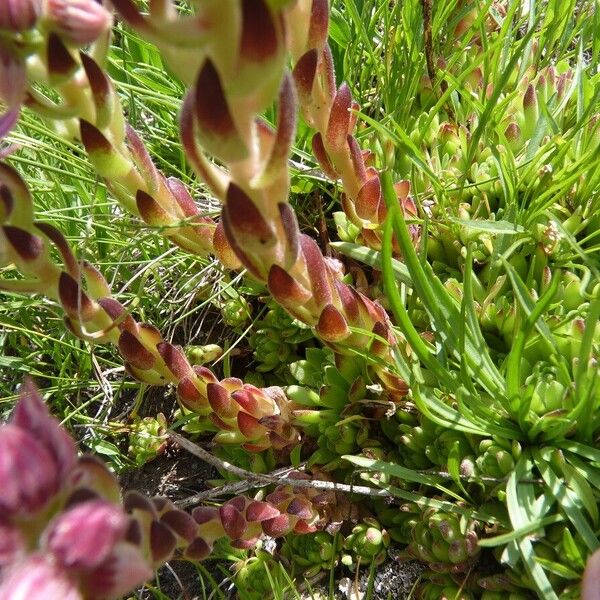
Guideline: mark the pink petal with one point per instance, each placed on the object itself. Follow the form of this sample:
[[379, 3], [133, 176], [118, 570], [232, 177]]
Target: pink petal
[[28, 474], [38, 579], [31, 415], [123, 571], [12, 545], [79, 21], [84, 536]]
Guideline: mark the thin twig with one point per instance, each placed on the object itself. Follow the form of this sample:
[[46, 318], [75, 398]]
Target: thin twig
[[228, 489], [267, 479]]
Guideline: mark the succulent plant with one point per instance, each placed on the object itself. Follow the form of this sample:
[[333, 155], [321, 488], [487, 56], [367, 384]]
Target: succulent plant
[[254, 576], [445, 541], [275, 341], [147, 438], [312, 553], [367, 543]]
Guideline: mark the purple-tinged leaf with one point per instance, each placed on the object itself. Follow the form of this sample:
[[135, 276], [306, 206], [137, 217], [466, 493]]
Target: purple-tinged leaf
[[316, 270], [277, 526], [233, 521], [96, 284], [350, 306], [61, 65], [101, 88], [304, 74], [214, 121], [130, 13], [292, 232], [249, 426], [106, 160], [90, 473], [302, 528], [223, 249], [149, 334], [79, 497], [123, 571], [134, 351], [285, 289], [339, 120], [220, 401], [134, 500], [232, 383], [326, 72], [199, 549], [205, 514], [260, 511], [151, 211], [175, 360], [247, 399], [13, 79], [301, 508], [245, 222], [220, 423], [116, 311], [181, 523], [278, 496], [29, 247], [319, 24], [358, 161], [142, 159], [205, 374], [245, 544], [320, 153], [189, 395], [286, 130], [332, 325], [162, 542], [368, 200], [161, 503], [259, 40], [75, 302], [182, 197], [58, 239]]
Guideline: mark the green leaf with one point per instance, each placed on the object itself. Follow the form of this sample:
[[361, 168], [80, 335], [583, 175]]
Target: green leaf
[[504, 227], [516, 501], [515, 534], [557, 568], [372, 258]]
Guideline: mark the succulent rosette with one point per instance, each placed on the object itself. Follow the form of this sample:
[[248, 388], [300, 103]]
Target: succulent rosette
[[445, 541]]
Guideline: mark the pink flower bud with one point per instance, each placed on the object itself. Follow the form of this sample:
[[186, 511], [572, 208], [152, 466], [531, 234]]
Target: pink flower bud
[[84, 536], [32, 416], [18, 15], [28, 473], [80, 22], [38, 579]]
